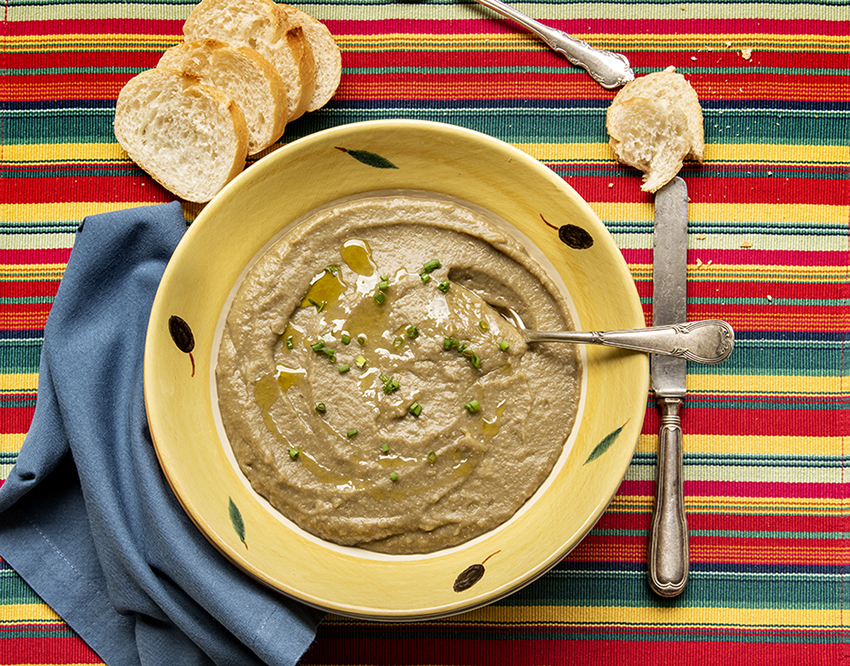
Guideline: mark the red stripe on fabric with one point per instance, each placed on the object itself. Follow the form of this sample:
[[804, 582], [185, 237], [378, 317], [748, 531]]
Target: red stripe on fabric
[[481, 20], [16, 420], [742, 489], [140, 188], [64, 650], [750, 421], [91, 28], [645, 646], [704, 189], [39, 256]]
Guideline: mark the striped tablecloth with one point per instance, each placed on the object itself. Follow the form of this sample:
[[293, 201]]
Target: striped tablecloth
[[766, 432]]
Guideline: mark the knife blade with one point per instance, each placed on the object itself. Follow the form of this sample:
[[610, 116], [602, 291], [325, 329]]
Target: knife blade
[[669, 549]]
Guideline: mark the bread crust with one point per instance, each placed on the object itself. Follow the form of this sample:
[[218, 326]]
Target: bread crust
[[326, 55]]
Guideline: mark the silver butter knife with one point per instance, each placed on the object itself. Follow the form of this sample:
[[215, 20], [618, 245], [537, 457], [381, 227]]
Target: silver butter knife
[[610, 70], [669, 550]]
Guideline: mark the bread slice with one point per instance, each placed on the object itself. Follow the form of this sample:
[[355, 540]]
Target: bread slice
[[655, 123], [259, 25], [326, 55], [190, 137], [243, 74]]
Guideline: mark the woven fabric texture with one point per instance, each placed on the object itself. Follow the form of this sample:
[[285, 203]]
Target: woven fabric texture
[[765, 433]]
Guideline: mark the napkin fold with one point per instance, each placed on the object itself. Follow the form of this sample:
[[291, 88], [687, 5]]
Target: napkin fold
[[86, 516]]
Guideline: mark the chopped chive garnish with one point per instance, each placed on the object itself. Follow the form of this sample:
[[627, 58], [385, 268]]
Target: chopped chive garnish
[[483, 325], [318, 345], [393, 477], [320, 407], [289, 343], [383, 285], [361, 340], [412, 331], [331, 354], [444, 286], [504, 345], [384, 277], [385, 447], [319, 306], [384, 379], [398, 342], [415, 409], [447, 343], [432, 265], [473, 407], [293, 453], [473, 358], [344, 368], [425, 278], [391, 385], [380, 297], [345, 338], [351, 433], [360, 361], [333, 270], [432, 457], [461, 348]]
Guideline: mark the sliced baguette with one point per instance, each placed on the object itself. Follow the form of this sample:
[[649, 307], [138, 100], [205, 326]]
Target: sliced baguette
[[259, 25], [245, 75], [326, 54], [655, 123], [190, 137]]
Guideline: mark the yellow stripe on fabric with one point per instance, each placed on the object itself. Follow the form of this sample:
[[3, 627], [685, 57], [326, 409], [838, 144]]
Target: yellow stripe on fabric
[[24, 381], [94, 42], [27, 613], [750, 152], [739, 506], [64, 152], [12, 441], [711, 272], [712, 212], [30, 272], [656, 616], [65, 211], [770, 445]]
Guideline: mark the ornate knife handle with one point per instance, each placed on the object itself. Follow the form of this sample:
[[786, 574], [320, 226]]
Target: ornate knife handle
[[669, 555], [610, 70], [708, 341]]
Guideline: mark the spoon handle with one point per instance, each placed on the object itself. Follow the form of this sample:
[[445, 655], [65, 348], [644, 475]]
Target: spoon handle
[[610, 70], [709, 341]]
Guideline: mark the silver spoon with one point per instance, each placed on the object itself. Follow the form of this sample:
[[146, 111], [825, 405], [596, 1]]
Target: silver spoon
[[610, 70], [708, 341]]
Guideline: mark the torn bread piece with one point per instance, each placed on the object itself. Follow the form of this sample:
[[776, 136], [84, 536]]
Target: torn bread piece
[[655, 123], [190, 137], [245, 75]]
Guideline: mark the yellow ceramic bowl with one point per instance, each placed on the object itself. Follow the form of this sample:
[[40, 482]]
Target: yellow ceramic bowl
[[281, 188]]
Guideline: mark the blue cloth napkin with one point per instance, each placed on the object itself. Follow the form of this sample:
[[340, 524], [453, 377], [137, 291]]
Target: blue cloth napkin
[[86, 516]]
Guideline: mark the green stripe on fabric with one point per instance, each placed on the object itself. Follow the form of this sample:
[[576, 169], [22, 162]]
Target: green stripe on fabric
[[714, 589], [20, 356]]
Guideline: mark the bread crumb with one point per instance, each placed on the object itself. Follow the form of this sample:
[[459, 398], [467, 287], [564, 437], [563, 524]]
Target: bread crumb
[[769, 297], [699, 263], [746, 53], [693, 57], [670, 68], [746, 244], [700, 236], [610, 184]]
